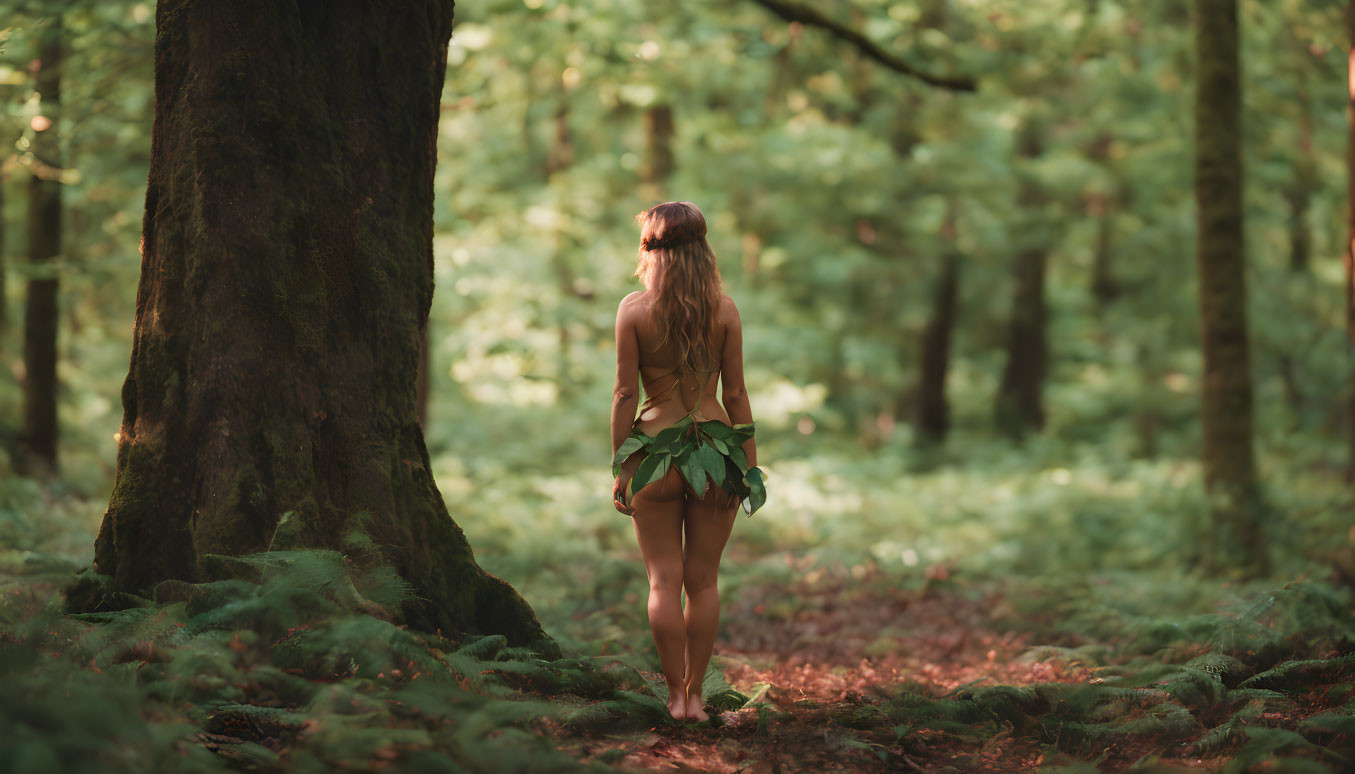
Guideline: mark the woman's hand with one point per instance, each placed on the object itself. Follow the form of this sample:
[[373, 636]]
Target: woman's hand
[[618, 492], [628, 469]]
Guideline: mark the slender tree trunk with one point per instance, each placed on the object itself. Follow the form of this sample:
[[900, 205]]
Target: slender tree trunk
[[1020, 407], [4, 306], [1299, 199], [38, 433], [1105, 289], [1349, 257], [285, 284], [1101, 207], [1226, 411], [1350, 239], [1299, 196], [659, 161], [933, 411]]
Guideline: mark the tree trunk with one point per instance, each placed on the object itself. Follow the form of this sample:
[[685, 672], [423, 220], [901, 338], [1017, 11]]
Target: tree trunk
[[421, 381], [1349, 257], [1105, 289], [1020, 407], [1226, 411], [4, 307], [932, 409], [1305, 172], [560, 159], [658, 162], [38, 432], [286, 280], [1101, 207]]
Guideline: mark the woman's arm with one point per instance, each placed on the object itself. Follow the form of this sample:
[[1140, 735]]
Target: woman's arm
[[625, 396], [733, 394]]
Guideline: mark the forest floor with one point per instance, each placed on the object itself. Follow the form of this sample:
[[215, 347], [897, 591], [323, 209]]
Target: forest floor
[[1088, 649], [817, 656], [828, 660]]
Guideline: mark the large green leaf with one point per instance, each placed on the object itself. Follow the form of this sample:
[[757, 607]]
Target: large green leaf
[[711, 462], [651, 469], [757, 490], [734, 479], [628, 447], [717, 429], [739, 458], [692, 468], [669, 439]]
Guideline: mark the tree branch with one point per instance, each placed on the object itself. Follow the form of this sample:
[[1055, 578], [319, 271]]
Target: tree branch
[[794, 12]]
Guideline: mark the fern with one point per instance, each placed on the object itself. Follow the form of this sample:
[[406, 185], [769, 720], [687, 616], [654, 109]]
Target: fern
[[1264, 742], [483, 649], [1301, 673], [1225, 668], [1329, 724], [1232, 731]]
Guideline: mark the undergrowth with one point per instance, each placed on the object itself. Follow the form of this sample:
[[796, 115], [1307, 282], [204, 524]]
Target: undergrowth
[[293, 670], [295, 664]]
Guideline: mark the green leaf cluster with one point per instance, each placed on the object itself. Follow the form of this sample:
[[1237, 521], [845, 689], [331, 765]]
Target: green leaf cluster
[[703, 452]]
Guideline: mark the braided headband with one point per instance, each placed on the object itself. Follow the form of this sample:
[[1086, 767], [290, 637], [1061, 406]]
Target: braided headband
[[649, 245]]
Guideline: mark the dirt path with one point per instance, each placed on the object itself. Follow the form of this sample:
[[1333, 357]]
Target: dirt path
[[830, 648]]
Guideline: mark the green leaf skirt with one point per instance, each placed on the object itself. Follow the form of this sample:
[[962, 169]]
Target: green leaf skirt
[[702, 451]]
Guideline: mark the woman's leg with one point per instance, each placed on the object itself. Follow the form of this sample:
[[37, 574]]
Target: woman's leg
[[658, 527], [708, 522]]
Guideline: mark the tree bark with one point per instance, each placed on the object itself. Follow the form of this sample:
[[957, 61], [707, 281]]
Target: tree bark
[[933, 411], [421, 381], [1020, 407], [38, 430], [1226, 407], [1349, 257], [285, 285]]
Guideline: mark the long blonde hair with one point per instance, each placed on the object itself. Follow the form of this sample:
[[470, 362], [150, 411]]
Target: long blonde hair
[[678, 267]]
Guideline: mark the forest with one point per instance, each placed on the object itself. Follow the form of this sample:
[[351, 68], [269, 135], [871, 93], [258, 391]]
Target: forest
[[306, 334]]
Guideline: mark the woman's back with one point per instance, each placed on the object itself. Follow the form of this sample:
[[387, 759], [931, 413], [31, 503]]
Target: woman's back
[[670, 394]]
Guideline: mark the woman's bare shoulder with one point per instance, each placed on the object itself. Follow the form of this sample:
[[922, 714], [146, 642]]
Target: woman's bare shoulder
[[727, 311], [630, 304]]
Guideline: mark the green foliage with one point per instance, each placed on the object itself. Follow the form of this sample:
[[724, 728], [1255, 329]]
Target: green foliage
[[709, 451], [290, 668]]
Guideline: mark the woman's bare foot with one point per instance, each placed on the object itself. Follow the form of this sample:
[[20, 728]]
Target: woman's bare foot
[[694, 707], [677, 704]]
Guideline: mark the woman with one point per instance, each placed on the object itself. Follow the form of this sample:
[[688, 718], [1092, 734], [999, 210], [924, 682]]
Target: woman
[[686, 462]]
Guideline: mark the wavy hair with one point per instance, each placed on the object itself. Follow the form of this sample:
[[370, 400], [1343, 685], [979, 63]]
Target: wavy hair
[[678, 267]]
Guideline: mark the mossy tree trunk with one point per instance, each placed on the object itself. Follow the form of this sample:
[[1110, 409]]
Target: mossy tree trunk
[[1019, 405], [1226, 410], [38, 431], [285, 285], [421, 381], [933, 410]]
